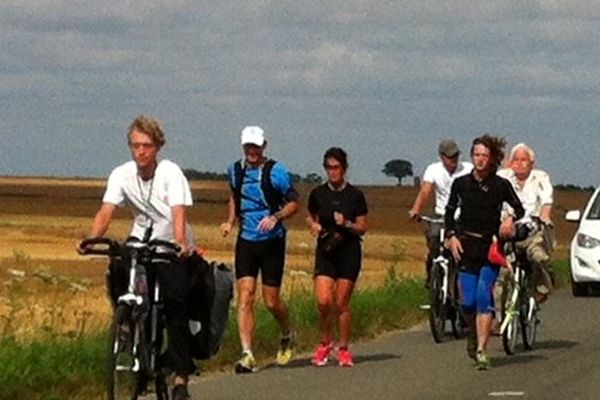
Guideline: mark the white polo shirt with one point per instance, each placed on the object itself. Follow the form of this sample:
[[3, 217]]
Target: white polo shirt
[[150, 200], [537, 190], [442, 180]]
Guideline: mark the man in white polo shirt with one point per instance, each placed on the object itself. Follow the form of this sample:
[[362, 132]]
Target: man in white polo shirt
[[438, 178], [158, 194]]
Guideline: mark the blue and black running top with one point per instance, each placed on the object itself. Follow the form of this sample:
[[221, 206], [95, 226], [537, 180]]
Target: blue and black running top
[[254, 205]]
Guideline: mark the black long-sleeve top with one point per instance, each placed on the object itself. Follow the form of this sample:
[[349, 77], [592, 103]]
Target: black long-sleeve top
[[480, 203]]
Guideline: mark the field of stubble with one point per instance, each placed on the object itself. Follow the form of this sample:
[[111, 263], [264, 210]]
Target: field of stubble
[[48, 287]]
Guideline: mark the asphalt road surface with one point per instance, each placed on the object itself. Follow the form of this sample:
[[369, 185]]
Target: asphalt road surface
[[565, 364]]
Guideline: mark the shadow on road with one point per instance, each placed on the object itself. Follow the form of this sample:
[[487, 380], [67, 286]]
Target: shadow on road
[[516, 359], [524, 356], [554, 344], [359, 359]]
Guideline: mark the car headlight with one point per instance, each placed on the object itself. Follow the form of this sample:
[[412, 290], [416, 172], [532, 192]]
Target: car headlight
[[587, 242]]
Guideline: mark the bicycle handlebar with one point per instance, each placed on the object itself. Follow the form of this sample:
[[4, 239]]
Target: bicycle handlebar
[[431, 220], [112, 247], [88, 246]]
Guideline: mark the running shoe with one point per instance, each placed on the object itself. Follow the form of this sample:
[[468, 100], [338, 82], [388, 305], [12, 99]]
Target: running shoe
[[482, 362], [345, 357], [321, 355], [246, 364], [286, 348], [180, 392]]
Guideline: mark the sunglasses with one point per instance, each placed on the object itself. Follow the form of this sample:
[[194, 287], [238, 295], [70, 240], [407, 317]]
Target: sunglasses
[[332, 167]]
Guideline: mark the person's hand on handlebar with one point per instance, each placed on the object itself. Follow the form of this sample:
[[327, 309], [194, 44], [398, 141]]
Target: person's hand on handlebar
[[414, 215], [185, 250], [506, 228], [81, 248]]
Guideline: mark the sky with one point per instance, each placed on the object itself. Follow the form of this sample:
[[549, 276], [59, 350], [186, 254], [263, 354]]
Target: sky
[[381, 79]]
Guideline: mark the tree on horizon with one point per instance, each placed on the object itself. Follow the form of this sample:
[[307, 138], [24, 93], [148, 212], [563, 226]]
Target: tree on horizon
[[398, 169]]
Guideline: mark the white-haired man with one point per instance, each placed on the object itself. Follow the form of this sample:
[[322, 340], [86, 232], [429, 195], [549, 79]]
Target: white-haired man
[[536, 193]]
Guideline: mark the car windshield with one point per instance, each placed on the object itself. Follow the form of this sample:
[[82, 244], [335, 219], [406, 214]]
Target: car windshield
[[595, 209]]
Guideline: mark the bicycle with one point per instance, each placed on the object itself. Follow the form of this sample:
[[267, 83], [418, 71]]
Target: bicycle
[[138, 325], [519, 308], [443, 288]]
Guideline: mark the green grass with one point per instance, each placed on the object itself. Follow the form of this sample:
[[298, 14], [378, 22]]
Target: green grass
[[51, 369], [59, 368], [562, 273]]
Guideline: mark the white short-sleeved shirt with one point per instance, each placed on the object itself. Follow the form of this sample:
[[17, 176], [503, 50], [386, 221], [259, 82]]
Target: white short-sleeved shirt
[[537, 190], [150, 200], [441, 179]]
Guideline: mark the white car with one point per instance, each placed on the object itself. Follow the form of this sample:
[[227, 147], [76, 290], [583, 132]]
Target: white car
[[585, 247]]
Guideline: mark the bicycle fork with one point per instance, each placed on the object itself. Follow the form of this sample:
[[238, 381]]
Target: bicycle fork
[[443, 263], [512, 309]]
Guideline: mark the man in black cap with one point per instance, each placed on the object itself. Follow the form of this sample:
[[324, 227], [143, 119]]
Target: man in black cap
[[438, 178]]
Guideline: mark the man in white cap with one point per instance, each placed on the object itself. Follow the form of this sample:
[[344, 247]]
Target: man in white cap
[[262, 196], [438, 178]]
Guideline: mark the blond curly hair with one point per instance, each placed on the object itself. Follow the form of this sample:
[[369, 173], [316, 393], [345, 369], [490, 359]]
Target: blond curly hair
[[148, 126]]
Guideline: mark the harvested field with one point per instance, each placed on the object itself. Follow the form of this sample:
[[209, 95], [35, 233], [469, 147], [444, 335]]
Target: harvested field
[[41, 220]]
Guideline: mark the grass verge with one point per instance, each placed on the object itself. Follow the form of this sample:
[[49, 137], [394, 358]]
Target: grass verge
[[59, 368], [52, 369]]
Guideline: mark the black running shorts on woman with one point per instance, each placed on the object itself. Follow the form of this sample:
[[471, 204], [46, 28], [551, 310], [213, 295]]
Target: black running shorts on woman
[[266, 256], [343, 263]]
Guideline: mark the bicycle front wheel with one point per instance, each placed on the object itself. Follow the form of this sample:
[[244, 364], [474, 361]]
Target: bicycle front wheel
[[510, 319], [124, 369], [437, 309], [529, 323]]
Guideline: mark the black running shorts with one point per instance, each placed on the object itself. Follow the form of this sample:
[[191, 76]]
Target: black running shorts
[[267, 256], [343, 263]]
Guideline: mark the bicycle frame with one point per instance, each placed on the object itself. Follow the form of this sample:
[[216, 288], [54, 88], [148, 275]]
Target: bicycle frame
[[440, 260], [517, 279]]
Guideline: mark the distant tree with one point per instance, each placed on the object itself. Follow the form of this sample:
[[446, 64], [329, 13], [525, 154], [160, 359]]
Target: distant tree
[[195, 175], [295, 178], [313, 177], [398, 169], [573, 188]]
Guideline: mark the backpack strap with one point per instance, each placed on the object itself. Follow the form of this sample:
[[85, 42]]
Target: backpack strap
[[239, 171], [275, 200]]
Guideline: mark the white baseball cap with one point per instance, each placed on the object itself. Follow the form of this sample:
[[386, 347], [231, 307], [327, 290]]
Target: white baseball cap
[[253, 135]]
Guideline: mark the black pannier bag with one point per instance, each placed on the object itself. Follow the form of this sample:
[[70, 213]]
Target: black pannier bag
[[207, 305]]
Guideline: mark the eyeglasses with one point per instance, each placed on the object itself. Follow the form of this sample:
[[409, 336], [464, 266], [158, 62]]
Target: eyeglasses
[[145, 146], [332, 167]]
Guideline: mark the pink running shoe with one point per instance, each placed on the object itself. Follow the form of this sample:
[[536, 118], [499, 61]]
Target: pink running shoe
[[345, 357], [321, 355]]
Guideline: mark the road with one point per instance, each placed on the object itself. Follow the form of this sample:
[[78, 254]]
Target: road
[[408, 365]]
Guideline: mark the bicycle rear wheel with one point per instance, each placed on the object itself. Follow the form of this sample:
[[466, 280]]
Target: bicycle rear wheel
[[437, 310], [529, 323], [510, 317], [124, 371]]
